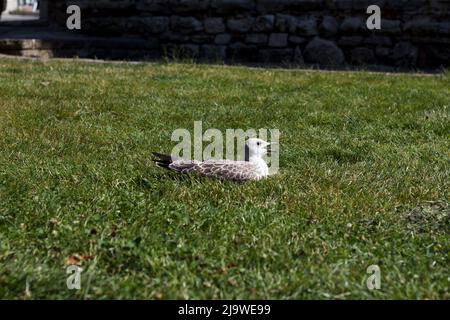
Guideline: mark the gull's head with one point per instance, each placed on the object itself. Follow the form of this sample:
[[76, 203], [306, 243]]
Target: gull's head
[[256, 147]]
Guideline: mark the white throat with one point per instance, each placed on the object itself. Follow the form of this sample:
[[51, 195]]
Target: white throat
[[260, 164]]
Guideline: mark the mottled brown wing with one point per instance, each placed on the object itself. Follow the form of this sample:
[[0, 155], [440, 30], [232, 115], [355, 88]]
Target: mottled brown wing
[[184, 166], [228, 170]]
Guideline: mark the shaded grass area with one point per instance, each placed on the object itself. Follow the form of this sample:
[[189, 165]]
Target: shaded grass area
[[361, 156]]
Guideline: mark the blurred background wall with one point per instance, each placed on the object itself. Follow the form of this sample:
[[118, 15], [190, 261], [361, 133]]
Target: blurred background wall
[[414, 33]]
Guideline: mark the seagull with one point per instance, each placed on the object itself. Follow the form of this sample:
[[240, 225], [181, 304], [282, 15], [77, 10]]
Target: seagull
[[253, 168]]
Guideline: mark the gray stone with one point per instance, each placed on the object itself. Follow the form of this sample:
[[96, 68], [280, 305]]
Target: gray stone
[[229, 6], [286, 23], [438, 55], [289, 5], [407, 5], [188, 5], [186, 25], [223, 38], [213, 52], [404, 54], [352, 25], [133, 24], [306, 27], [159, 24], [214, 25], [275, 55], [268, 5], [170, 36], [160, 6], [341, 5], [427, 40], [243, 52], [278, 39], [444, 28], [174, 51], [240, 25], [391, 26], [296, 39], [361, 5], [202, 38], [350, 41], [382, 52], [190, 50], [264, 23], [422, 26], [298, 56], [329, 26], [145, 24], [362, 56], [378, 40], [256, 38], [323, 52]]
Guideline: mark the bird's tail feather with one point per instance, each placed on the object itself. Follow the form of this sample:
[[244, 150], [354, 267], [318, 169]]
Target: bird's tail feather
[[162, 160]]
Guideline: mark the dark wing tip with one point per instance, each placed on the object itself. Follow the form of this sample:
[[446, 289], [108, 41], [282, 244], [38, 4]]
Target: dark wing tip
[[162, 160]]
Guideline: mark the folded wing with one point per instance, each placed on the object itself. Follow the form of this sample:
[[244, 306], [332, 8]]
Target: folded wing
[[228, 170], [221, 169]]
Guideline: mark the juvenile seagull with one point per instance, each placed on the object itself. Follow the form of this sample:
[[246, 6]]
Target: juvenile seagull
[[253, 168]]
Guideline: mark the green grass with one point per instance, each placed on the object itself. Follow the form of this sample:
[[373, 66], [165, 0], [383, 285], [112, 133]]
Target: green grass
[[361, 156]]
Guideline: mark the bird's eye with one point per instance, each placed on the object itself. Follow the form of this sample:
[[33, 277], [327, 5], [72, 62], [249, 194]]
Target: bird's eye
[[258, 143]]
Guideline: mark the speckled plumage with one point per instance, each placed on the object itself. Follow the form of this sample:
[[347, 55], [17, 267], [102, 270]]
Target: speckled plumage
[[255, 168]]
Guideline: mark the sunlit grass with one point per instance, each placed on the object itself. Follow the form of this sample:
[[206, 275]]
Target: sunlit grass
[[359, 151]]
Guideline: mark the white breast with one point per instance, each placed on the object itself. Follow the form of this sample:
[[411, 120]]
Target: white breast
[[261, 167]]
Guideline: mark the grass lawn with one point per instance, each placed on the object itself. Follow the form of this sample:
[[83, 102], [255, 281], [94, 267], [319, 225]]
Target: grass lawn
[[362, 157]]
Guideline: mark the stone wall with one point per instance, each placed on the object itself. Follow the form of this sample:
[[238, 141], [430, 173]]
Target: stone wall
[[414, 33]]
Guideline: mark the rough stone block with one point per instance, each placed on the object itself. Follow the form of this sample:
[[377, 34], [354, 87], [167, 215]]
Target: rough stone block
[[362, 5], [298, 56], [159, 24], [362, 56], [186, 25], [189, 50], [214, 25], [350, 41], [422, 26], [264, 23], [240, 25], [296, 39], [256, 38], [223, 38], [444, 28], [188, 5], [323, 52], [160, 6], [404, 54], [306, 26], [243, 52], [213, 52], [289, 5], [202, 38], [382, 52], [437, 55], [329, 26], [390, 26], [286, 23], [352, 24], [229, 6], [278, 39], [341, 5], [171, 36], [276, 55], [378, 40]]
